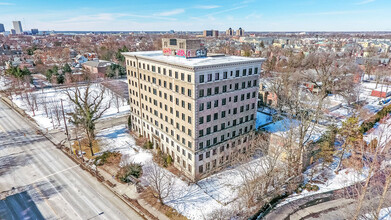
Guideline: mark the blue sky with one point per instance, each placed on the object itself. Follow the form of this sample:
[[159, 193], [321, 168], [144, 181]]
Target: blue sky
[[252, 15]]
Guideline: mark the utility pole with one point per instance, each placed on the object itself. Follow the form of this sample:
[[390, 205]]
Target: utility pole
[[66, 128]]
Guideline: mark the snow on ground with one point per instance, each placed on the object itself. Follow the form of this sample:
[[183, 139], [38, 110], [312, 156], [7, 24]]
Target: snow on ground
[[385, 214], [53, 96], [381, 132], [329, 180], [195, 201], [4, 83], [365, 94]]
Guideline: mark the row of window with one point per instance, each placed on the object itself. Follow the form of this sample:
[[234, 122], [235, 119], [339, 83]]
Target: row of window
[[182, 90], [180, 76], [166, 150], [225, 88], [223, 126], [216, 103], [222, 159], [218, 76]]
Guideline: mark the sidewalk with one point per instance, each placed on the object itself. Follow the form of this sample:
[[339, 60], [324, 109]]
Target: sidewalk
[[130, 191]]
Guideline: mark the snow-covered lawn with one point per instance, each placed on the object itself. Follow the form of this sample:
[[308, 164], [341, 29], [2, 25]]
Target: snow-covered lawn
[[5, 83], [195, 201], [52, 97], [328, 180]]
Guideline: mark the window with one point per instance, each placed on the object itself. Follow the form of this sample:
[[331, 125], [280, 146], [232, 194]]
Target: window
[[237, 73], [201, 120], [182, 76], [217, 90], [201, 108], [236, 86], [209, 105], [201, 169], [225, 88], [176, 75], [224, 101], [225, 75], [201, 93], [189, 106], [244, 72], [223, 114], [215, 116], [200, 157], [201, 133], [209, 77], [208, 130], [189, 92], [256, 70], [250, 71], [208, 118], [188, 78], [217, 76], [209, 91], [216, 103], [201, 78], [207, 155]]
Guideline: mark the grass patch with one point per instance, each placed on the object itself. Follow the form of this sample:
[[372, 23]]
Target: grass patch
[[85, 148], [109, 158]]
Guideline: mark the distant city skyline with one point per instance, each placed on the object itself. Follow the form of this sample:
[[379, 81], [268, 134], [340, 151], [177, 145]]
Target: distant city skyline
[[155, 15]]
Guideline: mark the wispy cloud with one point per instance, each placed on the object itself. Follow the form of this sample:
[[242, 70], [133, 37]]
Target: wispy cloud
[[334, 13], [365, 2], [207, 6], [6, 3], [171, 12], [227, 10]]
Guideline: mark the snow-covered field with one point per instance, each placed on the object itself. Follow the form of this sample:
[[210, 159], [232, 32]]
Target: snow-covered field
[[52, 99], [195, 201], [328, 180]]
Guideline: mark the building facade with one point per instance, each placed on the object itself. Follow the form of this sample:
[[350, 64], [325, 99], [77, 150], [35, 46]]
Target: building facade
[[2, 28], [198, 110], [211, 33], [229, 32], [34, 31], [18, 27], [240, 32]]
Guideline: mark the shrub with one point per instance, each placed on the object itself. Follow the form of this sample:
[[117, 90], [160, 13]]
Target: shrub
[[370, 123], [102, 159], [148, 145], [133, 169]]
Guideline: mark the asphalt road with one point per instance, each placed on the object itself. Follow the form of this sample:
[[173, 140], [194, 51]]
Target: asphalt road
[[37, 181]]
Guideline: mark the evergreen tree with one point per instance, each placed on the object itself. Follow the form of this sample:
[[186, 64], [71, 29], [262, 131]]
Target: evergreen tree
[[66, 68]]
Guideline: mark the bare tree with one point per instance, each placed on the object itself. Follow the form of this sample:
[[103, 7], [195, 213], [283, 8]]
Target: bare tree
[[116, 100], [160, 181], [89, 107]]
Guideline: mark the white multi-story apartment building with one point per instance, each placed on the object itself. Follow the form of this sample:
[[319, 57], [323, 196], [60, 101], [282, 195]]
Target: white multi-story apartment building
[[199, 109]]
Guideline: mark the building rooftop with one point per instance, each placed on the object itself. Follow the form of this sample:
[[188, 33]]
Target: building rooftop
[[190, 62]]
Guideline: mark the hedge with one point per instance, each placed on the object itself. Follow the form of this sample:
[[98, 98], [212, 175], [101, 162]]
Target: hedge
[[371, 122]]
